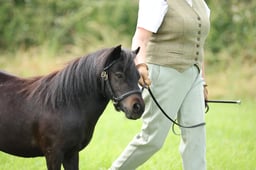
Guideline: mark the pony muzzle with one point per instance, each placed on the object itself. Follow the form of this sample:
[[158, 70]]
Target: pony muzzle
[[132, 106]]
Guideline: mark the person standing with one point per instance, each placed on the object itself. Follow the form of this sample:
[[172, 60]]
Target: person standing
[[171, 36]]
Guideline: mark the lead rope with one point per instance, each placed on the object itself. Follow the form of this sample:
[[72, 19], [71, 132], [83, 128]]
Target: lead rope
[[168, 117]]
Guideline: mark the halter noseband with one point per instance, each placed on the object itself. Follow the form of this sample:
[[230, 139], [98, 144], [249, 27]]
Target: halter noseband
[[106, 86]]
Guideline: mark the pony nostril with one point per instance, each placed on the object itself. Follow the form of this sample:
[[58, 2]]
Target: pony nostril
[[136, 107]]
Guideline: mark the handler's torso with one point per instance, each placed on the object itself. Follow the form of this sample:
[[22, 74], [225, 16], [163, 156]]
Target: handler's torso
[[180, 39]]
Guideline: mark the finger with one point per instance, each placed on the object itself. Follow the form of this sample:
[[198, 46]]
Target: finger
[[148, 82], [141, 82]]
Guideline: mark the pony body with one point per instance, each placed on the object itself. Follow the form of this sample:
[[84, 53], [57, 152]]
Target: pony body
[[55, 115]]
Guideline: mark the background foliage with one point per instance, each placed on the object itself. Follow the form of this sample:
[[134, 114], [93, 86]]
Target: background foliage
[[26, 23], [62, 27], [57, 23], [233, 28]]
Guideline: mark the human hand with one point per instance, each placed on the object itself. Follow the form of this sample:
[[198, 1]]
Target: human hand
[[144, 80]]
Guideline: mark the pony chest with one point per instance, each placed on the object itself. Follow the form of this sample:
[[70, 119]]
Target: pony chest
[[78, 130]]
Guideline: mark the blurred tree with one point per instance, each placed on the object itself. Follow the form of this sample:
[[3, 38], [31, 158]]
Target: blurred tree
[[58, 23]]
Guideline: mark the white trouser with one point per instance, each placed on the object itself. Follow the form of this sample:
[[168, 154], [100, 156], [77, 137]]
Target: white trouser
[[181, 96]]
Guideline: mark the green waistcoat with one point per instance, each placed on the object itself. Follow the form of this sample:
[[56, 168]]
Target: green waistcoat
[[180, 39]]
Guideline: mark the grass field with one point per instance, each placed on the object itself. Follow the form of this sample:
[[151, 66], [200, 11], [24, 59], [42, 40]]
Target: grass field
[[230, 142], [230, 132]]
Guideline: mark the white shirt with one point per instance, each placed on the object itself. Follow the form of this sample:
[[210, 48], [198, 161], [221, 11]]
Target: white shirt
[[151, 13]]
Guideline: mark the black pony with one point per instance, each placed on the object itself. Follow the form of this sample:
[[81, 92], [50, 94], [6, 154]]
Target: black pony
[[55, 115]]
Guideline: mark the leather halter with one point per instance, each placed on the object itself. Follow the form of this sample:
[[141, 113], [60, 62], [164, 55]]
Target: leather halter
[[106, 86]]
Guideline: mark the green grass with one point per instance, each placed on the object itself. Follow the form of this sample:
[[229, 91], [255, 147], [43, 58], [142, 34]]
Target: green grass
[[230, 142], [230, 128]]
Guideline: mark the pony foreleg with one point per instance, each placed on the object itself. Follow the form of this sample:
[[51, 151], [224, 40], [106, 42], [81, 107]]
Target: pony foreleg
[[53, 161], [71, 161]]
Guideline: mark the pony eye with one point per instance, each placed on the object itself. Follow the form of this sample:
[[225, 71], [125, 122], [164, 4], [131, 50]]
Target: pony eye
[[119, 75]]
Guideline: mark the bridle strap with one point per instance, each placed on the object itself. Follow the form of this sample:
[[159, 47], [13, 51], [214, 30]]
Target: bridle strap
[[123, 96], [105, 79]]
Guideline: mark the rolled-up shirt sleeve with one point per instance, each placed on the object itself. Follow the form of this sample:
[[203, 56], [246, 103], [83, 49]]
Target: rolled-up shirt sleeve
[[151, 14]]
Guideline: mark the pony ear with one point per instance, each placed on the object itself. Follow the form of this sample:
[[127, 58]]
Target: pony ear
[[117, 51], [137, 50], [113, 54]]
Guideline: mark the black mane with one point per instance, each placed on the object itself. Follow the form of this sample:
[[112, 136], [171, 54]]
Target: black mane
[[80, 79]]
